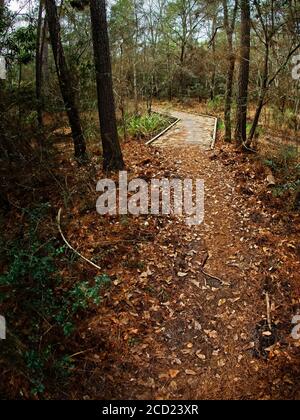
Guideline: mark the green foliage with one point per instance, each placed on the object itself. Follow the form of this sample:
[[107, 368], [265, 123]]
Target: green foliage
[[216, 104], [33, 292], [289, 118], [287, 187], [221, 125], [285, 163], [141, 126], [4, 21], [22, 43], [285, 158]]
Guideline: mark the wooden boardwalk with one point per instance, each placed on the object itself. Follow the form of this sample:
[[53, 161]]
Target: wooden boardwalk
[[191, 130]]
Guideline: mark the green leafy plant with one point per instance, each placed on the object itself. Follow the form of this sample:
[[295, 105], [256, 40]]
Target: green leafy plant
[[142, 126], [31, 290], [285, 159]]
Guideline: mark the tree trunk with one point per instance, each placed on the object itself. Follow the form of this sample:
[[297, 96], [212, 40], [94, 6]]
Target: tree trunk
[[297, 201], [1, 81], [45, 62], [214, 70], [3, 140], [262, 96], [64, 78], [38, 67], [112, 154], [242, 100], [135, 89], [4, 203], [135, 80], [229, 27], [228, 96]]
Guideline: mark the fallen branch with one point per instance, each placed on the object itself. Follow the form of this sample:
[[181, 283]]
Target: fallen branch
[[211, 277], [205, 273], [70, 246], [269, 318]]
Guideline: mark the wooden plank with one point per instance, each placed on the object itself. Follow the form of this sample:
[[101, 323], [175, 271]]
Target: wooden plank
[[163, 132]]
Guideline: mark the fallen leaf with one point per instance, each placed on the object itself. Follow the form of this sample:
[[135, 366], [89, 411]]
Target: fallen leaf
[[221, 302], [190, 372], [198, 326], [173, 373], [181, 274], [211, 334], [200, 355]]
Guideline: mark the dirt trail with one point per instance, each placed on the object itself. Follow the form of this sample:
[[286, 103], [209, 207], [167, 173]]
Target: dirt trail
[[213, 331], [190, 130], [169, 331]]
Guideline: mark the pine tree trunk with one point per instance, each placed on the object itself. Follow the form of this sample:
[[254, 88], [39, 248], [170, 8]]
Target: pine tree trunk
[[228, 97], [45, 62], [214, 70], [297, 201], [242, 100], [1, 81], [112, 154], [38, 66], [262, 96], [229, 27], [4, 144], [64, 78]]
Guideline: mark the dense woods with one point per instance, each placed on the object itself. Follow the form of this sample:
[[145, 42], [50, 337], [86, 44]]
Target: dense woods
[[84, 86]]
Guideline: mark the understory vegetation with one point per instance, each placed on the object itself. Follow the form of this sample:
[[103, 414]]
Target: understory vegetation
[[46, 307], [84, 86]]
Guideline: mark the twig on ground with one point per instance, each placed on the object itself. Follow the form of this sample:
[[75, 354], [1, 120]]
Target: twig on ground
[[205, 273], [212, 277], [70, 246], [269, 317], [79, 353]]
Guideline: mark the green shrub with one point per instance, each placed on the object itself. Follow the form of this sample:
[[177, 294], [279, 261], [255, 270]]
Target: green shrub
[[216, 104], [36, 300], [285, 159], [143, 126], [285, 164]]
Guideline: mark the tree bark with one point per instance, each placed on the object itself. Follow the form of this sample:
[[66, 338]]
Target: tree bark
[[5, 142], [242, 100], [229, 27], [135, 82], [2, 129], [262, 96], [38, 66], [297, 201], [64, 78], [112, 154], [214, 69]]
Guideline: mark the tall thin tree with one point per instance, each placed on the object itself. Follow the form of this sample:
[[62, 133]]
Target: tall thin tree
[[229, 25], [243, 83], [38, 65], [5, 143], [63, 73], [112, 154]]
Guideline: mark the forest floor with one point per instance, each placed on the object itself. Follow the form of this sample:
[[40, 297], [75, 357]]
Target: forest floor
[[186, 314], [170, 331]]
